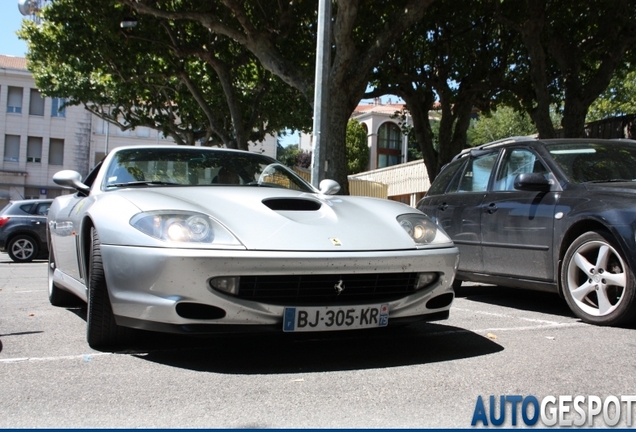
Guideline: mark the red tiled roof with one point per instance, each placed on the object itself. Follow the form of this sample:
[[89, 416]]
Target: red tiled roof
[[379, 108], [11, 62]]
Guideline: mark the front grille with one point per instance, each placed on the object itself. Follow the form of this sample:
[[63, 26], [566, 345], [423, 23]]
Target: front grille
[[307, 290]]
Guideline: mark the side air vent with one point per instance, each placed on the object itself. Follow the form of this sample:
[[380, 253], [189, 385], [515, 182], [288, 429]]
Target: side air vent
[[292, 204]]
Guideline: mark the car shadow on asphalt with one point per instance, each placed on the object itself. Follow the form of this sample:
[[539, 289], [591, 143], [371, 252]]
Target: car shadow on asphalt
[[419, 343], [522, 299]]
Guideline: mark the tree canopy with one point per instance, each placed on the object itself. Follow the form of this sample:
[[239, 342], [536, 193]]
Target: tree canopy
[[171, 76], [229, 71], [357, 147]]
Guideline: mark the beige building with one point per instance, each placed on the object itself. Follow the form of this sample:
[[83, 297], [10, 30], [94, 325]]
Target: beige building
[[37, 139], [387, 144], [403, 181]]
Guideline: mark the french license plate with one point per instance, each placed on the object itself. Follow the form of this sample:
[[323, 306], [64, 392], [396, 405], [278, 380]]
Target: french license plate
[[327, 318]]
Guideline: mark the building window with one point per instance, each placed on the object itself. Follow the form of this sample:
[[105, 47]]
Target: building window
[[98, 157], [36, 103], [122, 132], [14, 100], [57, 107], [31, 193], [389, 145], [34, 149], [54, 193], [11, 148], [56, 151]]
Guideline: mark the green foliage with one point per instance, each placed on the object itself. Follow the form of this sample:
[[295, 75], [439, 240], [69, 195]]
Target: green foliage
[[618, 99], [502, 123], [287, 154], [292, 156], [173, 76], [357, 148]]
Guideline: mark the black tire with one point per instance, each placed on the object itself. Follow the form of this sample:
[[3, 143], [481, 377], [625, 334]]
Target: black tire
[[58, 296], [102, 332], [457, 284], [22, 248], [597, 283]]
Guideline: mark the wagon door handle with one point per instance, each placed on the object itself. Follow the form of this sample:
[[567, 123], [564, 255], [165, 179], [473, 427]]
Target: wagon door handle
[[492, 207], [442, 206]]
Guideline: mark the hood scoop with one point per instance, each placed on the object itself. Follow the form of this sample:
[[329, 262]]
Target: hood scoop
[[292, 204]]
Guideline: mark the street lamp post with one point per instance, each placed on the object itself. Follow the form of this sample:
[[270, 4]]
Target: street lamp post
[[321, 93]]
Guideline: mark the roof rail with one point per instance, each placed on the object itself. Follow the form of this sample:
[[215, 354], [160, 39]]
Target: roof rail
[[623, 139], [495, 144]]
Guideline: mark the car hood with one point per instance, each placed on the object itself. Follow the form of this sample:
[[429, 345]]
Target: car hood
[[281, 219], [626, 186]]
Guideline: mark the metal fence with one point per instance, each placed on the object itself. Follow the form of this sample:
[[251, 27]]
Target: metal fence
[[612, 128]]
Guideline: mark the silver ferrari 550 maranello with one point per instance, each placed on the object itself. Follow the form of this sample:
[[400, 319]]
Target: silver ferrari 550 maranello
[[198, 240]]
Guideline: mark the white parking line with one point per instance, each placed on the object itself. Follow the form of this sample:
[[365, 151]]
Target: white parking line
[[542, 324], [85, 357]]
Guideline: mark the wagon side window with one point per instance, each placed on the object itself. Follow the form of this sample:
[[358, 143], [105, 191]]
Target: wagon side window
[[517, 161], [477, 173]]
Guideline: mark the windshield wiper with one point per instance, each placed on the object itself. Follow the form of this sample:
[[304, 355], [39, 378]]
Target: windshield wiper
[[144, 183]]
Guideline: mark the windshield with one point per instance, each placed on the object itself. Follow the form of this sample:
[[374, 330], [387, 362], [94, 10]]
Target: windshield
[[196, 166], [596, 161]]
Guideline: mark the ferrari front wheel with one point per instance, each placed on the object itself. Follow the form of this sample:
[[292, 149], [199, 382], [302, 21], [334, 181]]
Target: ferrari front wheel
[[102, 332], [597, 283]]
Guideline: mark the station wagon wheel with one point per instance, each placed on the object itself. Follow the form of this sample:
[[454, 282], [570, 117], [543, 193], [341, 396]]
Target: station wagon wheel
[[597, 283], [102, 332], [22, 248], [57, 295]]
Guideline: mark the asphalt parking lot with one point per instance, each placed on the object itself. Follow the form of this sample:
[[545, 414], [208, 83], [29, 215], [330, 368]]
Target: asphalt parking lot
[[498, 342]]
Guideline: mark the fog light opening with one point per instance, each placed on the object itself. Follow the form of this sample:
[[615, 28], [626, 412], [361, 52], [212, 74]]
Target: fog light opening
[[199, 311], [226, 284], [425, 279], [440, 301]]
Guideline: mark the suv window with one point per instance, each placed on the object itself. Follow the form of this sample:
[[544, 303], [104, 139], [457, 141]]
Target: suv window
[[42, 209], [29, 208], [26, 208], [445, 177], [477, 173]]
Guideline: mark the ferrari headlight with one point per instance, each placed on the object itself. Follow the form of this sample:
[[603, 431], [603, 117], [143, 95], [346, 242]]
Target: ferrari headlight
[[422, 230], [183, 227]]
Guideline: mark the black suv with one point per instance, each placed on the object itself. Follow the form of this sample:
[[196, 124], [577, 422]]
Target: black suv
[[23, 229], [556, 215]]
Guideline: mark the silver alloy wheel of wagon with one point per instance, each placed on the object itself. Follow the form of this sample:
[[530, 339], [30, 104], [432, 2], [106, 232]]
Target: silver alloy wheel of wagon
[[22, 248], [597, 283]]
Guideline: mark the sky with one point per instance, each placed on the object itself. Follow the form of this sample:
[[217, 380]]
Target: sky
[[10, 22]]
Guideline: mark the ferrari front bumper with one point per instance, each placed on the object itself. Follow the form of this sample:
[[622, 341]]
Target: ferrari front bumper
[[146, 285]]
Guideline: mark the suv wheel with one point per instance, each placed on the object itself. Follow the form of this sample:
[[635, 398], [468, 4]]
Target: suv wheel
[[22, 248]]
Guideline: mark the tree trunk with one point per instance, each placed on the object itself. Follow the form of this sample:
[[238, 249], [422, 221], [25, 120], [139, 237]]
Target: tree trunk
[[419, 103]]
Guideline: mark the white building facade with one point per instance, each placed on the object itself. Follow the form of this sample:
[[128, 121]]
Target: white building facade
[[388, 146], [37, 139]]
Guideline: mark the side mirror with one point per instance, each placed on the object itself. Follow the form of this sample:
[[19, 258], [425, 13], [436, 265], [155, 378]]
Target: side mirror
[[72, 180], [532, 182], [329, 187]]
